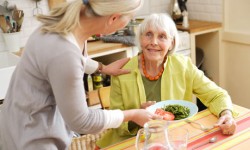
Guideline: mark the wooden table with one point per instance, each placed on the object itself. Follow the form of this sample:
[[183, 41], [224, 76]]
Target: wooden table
[[239, 141]]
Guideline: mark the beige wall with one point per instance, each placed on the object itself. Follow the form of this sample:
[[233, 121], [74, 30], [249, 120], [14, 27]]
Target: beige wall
[[237, 72], [236, 50]]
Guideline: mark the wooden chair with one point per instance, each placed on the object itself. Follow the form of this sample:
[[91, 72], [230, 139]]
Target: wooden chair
[[104, 95], [93, 98]]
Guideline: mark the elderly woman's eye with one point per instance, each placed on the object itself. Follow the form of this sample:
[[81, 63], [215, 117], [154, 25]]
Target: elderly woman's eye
[[163, 37], [149, 34]]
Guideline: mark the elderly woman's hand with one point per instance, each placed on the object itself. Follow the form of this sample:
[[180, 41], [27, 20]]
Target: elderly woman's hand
[[115, 67], [147, 104], [227, 123]]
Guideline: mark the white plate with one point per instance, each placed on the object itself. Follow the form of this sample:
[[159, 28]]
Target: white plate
[[192, 107]]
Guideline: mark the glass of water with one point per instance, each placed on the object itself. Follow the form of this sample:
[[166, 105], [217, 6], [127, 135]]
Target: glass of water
[[178, 138]]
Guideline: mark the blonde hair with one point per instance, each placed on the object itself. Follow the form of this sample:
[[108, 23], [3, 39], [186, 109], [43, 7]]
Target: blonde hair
[[160, 21], [66, 17]]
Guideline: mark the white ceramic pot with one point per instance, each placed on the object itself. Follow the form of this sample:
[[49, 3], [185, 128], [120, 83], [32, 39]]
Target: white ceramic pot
[[12, 41]]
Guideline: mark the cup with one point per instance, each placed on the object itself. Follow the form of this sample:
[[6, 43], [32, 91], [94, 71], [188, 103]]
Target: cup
[[178, 138], [12, 41]]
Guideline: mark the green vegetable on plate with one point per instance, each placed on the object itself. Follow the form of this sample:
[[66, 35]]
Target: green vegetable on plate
[[180, 112]]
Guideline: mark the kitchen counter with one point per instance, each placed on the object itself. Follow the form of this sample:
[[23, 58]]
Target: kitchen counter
[[199, 26], [99, 48]]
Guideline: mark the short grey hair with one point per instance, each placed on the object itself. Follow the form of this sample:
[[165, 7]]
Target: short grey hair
[[162, 21]]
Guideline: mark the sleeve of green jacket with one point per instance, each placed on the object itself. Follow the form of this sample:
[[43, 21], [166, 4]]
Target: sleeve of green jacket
[[211, 95]]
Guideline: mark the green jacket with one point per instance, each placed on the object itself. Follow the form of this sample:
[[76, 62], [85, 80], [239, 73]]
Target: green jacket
[[180, 80]]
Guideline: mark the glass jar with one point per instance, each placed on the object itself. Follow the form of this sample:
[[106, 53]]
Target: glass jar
[[97, 80]]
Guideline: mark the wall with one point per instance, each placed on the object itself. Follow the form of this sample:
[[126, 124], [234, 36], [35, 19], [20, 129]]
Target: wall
[[209, 10], [157, 6], [236, 47]]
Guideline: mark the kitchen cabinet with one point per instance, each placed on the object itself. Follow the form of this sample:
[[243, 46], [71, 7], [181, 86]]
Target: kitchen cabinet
[[108, 52], [207, 36]]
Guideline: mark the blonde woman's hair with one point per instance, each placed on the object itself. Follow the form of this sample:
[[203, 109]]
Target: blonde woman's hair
[[66, 17], [160, 21]]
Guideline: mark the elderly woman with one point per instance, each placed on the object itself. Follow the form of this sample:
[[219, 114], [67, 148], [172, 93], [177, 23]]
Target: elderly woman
[[158, 74]]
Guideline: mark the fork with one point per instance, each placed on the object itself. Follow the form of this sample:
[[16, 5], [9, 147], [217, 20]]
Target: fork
[[202, 127]]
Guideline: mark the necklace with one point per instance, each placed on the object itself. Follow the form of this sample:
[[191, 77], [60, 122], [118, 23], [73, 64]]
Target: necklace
[[145, 71]]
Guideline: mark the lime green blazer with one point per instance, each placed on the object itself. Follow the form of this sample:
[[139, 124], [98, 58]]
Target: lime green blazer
[[180, 80]]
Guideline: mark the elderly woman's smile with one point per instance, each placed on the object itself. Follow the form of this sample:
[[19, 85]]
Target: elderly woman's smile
[[153, 50]]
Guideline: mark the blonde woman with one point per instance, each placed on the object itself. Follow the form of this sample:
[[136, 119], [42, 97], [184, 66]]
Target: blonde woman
[[46, 98]]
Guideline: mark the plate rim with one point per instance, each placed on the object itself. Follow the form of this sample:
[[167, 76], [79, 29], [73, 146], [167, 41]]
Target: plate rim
[[174, 102]]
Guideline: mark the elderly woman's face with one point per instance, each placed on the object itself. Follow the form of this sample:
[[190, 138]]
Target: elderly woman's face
[[155, 44]]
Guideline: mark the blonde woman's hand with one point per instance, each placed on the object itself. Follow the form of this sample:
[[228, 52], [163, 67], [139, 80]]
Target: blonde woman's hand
[[147, 104], [139, 116], [227, 123], [115, 67]]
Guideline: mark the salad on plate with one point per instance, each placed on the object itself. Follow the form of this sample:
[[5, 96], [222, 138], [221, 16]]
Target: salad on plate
[[174, 110]]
